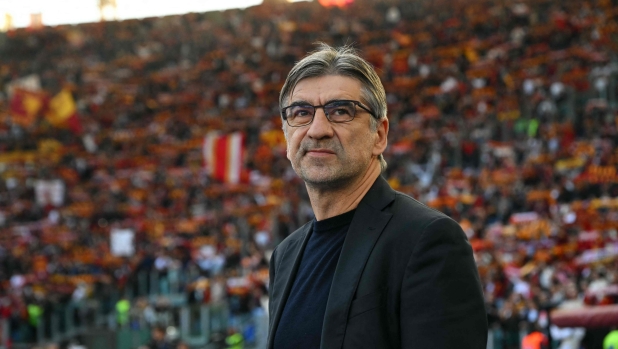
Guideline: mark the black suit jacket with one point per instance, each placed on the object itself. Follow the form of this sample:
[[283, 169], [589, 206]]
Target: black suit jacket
[[406, 278]]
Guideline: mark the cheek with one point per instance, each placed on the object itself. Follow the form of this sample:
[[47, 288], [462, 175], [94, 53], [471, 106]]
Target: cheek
[[361, 142], [292, 140]]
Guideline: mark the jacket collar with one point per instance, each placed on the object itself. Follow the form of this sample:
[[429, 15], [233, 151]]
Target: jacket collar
[[379, 195], [366, 227]]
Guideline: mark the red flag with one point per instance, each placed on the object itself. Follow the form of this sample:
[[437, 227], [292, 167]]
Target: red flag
[[25, 106], [223, 156]]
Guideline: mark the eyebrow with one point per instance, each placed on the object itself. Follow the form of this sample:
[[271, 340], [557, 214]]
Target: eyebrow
[[299, 102], [303, 102]]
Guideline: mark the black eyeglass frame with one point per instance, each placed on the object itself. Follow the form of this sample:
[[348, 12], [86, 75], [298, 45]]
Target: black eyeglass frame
[[315, 108]]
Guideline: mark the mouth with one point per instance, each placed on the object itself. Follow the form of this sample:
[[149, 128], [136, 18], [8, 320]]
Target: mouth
[[319, 152]]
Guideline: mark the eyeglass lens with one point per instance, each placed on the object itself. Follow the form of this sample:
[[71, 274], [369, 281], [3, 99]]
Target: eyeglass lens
[[336, 111]]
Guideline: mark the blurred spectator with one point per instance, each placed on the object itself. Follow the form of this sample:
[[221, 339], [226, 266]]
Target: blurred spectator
[[158, 340], [504, 117]]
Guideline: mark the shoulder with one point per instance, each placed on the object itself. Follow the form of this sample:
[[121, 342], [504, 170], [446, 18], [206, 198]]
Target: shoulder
[[412, 223], [431, 227], [407, 210]]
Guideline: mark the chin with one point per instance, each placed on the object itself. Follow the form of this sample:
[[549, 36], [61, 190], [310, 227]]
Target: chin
[[324, 180]]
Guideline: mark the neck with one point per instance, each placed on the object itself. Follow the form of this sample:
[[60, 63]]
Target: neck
[[331, 202]]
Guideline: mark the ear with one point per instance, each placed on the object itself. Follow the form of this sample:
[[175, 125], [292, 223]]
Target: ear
[[381, 137]]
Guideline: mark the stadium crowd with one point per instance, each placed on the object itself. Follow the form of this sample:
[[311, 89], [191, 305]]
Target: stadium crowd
[[503, 115]]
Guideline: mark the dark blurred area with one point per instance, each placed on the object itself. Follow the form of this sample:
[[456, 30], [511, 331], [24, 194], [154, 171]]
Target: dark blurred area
[[502, 114]]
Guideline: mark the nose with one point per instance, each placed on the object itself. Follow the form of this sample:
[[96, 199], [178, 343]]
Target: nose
[[320, 127]]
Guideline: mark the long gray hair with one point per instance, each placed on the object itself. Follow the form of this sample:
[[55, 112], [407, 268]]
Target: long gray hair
[[343, 61]]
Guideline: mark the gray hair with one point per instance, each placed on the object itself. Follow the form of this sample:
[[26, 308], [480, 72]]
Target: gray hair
[[343, 61]]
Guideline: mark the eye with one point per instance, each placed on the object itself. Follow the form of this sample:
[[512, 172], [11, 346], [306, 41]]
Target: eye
[[299, 111], [340, 109]]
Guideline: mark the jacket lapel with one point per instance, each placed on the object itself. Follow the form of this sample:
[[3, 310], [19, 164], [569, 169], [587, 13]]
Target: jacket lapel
[[286, 272], [366, 227]]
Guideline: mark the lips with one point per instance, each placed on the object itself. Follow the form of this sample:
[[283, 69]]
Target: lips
[[320, 151]]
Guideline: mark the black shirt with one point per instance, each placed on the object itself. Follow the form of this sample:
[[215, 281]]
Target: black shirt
[[300, 326]]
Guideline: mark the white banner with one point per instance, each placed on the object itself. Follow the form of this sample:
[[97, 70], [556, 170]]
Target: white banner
[[49, 192], [122, 242], [30, 83]]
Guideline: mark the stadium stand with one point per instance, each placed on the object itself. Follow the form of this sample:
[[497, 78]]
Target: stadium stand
[[503, 115]]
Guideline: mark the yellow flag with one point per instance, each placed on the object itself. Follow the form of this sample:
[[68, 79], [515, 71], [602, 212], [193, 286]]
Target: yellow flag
[[61, 108]]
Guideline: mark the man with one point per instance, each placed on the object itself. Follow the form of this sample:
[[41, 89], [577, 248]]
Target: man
[[375, 268]]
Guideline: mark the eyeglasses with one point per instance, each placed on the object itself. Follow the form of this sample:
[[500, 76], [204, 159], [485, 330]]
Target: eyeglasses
[[337, 111]]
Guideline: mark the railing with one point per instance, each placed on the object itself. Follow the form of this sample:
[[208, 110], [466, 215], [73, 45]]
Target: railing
[[95, 321]]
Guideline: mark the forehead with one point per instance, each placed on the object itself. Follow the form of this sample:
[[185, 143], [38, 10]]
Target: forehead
[[325, 88]]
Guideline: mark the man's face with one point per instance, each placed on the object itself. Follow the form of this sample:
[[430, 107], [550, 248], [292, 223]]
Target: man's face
[[329, 155]]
